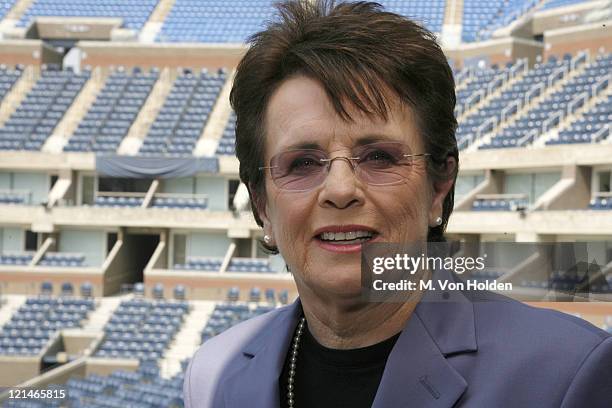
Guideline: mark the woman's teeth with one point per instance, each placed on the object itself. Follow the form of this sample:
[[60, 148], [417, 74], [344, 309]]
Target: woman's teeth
[[351, 237]]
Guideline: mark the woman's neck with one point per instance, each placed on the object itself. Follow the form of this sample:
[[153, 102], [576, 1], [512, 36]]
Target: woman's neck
[[359, 326]]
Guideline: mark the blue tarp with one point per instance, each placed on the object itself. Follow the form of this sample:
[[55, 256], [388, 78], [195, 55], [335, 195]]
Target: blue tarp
[[154, 167]]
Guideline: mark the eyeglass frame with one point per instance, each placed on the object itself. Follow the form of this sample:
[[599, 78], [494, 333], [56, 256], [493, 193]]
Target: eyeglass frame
[[329, 160]]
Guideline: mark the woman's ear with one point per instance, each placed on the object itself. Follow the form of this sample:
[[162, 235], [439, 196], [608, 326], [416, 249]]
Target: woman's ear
[[440, 191]]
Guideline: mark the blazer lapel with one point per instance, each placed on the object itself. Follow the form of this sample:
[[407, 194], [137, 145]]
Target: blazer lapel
[[256, 383], [417, 373]]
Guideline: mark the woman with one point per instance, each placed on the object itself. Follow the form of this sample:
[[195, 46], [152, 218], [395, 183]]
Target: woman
[[345, 136]]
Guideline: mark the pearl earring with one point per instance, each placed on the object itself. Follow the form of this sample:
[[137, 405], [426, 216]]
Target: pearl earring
[[439, 221], [267, 239]]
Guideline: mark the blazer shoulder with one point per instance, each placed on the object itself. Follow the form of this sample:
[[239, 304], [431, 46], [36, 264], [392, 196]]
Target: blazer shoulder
[[219, 357], [518, 322]]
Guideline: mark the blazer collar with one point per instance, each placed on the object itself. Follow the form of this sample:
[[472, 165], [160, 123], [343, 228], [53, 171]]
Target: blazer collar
[[417, 372]]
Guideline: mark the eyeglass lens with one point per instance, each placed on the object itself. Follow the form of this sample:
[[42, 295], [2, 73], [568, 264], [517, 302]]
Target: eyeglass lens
[[376, 164]]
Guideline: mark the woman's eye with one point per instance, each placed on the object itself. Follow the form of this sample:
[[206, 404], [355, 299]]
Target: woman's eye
[[379, 156], [303, 163]]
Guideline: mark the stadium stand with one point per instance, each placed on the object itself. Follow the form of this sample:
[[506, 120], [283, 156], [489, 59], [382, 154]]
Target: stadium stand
[[249, 265], [134, 13], [184, 114], [216, 21], [226, 315], [8, 77], [428, 12], [200, 264], [228, 138], [499, 204], [522, 91], [193, 203], [551, 4], [482, 18], [479, 84], [42, 109], [113, 112], [593, 125], [62, 260], [144, 388], [142, 329], [601, 203], [30, 329], [16, 258], [551, 109], [117, 201]]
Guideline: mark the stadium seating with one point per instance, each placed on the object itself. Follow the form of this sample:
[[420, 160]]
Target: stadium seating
[[8, 76], [31, 327], [42, 109], [226, 315], [197, 203], [113, 112], [179, 124], [594, 124], [550, 111], [14, 197], [16, 259], [532, 84], [142, 329], [214, 21], [228, 139], [249, 265], [118, 201], [428, 12], [499, 204], [144, 388], [601, 203], [62, 260], [134, 13], [550, 4], [200, 264], [482, 18]]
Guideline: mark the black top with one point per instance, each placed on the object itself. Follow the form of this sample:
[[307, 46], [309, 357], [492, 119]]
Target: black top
[[334, 378]]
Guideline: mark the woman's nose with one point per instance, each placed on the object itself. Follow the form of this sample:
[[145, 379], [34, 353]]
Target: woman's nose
[[340, 188]]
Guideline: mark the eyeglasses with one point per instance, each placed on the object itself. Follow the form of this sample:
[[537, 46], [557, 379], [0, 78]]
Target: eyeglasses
[[377, 164]]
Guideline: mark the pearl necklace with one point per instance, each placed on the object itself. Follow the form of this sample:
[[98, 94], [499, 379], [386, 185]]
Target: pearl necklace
[[294, 351]]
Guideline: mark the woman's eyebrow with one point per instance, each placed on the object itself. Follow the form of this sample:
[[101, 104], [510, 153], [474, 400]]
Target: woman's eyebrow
[[368, 139], [304, 145]]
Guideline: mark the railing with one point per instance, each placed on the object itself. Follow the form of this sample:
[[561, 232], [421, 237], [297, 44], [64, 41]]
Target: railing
[[492, 121], [556, 75], [599, 135], [555, 119], [598, 86], [529, 95], [578, 102], [529, 137], [516, 105], [480, 94], [522, 63], [579, 59]]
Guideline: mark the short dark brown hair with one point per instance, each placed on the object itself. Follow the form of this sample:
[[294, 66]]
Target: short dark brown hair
[[356, 51]]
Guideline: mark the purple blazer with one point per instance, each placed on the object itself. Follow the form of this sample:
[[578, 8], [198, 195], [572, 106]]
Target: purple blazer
[[463, 350]]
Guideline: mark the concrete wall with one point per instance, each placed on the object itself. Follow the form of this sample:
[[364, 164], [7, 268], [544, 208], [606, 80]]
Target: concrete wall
[[91, 243], [15, 370], [11, 239], [593, 37], [207, 244], [36, 183], [217, 190], [211, 56]]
